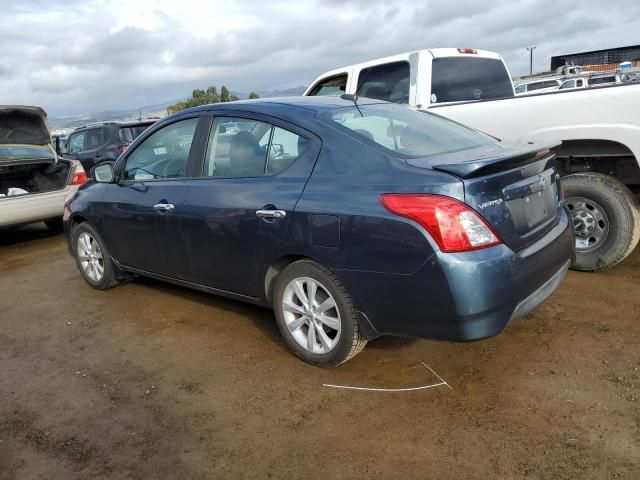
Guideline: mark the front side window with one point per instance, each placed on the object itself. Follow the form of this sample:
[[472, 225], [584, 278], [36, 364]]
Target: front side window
[[405, 131], [458, 79], [388, 82], [521, 88], [568, 84], [164, 154], [332, 87], [76, 142]]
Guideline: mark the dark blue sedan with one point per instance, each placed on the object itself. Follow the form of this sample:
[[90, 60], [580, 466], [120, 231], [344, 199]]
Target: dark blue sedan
[[350, 218]]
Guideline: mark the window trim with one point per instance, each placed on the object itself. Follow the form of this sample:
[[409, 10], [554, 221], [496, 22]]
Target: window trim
[[273, 121], [122, 161]]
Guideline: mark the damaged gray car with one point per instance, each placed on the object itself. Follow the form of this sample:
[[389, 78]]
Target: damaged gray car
[[34, 180]]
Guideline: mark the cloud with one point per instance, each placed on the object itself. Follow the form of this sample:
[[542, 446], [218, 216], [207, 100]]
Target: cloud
[[82, 56]]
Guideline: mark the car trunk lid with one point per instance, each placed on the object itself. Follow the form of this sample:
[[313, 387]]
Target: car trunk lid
[[24, 136], [516, 190]]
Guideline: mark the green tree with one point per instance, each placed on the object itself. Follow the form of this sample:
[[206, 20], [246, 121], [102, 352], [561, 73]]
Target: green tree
[[224, 94], [203, 97], [254, 95]]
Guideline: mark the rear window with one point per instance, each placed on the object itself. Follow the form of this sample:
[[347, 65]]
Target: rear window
[[601, 80], [405, 131], [389, 82], [540, 85], [330, 87], [129, 134], [458, 79]]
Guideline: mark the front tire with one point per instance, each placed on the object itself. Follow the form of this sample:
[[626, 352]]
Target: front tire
[[92, 257], [316, 315], [606, 219]]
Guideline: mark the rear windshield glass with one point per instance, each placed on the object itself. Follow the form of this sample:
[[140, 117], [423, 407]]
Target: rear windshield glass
[[458, 79], [405, 131], [129, 134], [24, 152]]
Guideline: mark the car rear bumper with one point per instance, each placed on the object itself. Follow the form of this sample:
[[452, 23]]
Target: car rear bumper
[[465, 296], [32, 208]]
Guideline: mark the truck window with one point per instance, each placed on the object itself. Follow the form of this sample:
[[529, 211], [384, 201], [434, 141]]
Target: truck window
[[541, 85], [389, 82], [330, 87], [457, 79], [568, 84], [602, 80], [521, 88], [579, 83]]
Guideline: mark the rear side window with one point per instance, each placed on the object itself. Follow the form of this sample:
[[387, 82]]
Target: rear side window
[[126, 135], [241, 148], [521, 88], [330, 87], [405, 131], [458, 79], [95, 138], [389, 82]]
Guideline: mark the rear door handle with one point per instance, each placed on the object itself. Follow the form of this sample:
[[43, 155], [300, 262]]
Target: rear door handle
[[164, 207], [271, 213]]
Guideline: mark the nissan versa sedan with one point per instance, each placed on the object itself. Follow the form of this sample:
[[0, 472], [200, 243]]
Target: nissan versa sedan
[[351, 218]]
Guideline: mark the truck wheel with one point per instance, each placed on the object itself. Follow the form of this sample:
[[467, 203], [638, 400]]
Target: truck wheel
[[606, 219], [315, 315]]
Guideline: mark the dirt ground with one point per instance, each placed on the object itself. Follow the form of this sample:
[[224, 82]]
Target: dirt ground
[[154, 381]]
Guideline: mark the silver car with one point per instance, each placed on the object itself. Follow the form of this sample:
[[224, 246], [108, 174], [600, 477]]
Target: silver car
[[34, 181]]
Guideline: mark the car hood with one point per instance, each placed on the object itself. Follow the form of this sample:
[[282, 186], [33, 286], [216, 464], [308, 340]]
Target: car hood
[[21, 125]]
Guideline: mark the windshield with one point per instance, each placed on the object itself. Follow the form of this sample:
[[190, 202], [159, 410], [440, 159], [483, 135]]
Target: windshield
[[24, 152], [405, 131], [458, 79]]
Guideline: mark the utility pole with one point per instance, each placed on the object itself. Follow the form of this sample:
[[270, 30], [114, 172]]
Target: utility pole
[[531, 49]]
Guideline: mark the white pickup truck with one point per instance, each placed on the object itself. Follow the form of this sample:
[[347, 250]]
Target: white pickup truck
[[599, 129]]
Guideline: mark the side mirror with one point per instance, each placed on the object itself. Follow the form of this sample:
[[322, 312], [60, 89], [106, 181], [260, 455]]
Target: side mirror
[[103, 173]]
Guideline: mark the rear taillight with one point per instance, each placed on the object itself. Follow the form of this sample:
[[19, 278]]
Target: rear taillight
[[468, 50], [122, 149], [454, 226], [79, 177]]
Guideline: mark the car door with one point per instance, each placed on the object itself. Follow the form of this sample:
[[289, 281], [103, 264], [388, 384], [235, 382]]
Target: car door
[[239, 210], [142, 211]]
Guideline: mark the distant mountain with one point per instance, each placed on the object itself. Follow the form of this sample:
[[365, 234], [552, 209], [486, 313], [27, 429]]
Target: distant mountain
[[70, 122]]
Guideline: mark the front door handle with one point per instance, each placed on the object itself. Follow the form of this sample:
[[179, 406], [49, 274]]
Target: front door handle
[[271, 213], [164, 207]]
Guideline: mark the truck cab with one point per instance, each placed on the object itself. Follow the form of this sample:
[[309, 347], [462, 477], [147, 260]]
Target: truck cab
[[422, 77]]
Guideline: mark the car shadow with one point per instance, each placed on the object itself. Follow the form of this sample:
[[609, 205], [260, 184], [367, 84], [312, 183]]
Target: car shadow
[[262, 317], [23, 234]]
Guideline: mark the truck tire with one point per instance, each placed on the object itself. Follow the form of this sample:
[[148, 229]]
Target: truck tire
[[606, 219]]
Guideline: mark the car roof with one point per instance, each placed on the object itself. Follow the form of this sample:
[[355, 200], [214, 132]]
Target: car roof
[[310, 104], [131, 123]]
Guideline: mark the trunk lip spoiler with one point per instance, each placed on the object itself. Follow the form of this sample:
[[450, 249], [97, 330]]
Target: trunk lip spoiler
[[497, 163]]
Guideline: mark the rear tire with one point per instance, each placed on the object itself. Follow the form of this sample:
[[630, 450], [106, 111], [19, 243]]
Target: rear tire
[[92, 257], [316, 315], [606, 219]]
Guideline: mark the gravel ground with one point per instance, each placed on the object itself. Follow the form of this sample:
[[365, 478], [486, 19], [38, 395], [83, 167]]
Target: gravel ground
[[154, 381]]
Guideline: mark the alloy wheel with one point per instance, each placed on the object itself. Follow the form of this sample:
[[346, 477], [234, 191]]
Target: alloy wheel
[[311, 315], [90, 257]]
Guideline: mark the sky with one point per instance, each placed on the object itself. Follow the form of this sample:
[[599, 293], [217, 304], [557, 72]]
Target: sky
[[74, 57]]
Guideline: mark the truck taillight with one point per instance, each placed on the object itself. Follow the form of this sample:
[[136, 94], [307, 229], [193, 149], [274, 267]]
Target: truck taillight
[[453, 225], [468, 50], [79, 177]]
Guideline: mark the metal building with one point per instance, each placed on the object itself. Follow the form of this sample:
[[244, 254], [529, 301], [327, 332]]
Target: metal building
[[598, 57]]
